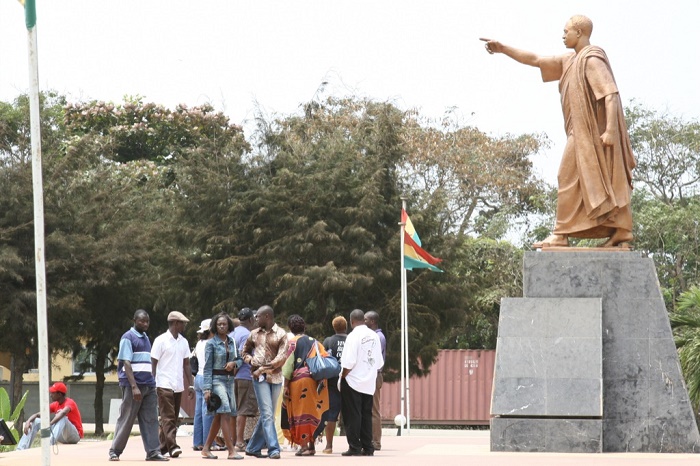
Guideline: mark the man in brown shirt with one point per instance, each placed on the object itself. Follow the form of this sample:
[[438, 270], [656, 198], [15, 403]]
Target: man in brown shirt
[[266, 352], [595, 176]]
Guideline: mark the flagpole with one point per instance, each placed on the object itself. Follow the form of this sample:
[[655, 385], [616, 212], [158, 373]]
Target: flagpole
[[40, 266], [405, 359], [403, 319], [408, 371]]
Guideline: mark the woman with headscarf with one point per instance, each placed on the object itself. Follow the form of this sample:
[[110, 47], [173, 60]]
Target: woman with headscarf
[[305, 400]]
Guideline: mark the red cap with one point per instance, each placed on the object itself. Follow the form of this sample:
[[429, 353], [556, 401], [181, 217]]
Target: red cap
[[58, 387]]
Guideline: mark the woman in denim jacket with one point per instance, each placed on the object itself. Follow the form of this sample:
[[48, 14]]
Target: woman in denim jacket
[[221, 361]]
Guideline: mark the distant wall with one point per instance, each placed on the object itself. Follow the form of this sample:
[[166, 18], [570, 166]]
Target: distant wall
[[83, 393]]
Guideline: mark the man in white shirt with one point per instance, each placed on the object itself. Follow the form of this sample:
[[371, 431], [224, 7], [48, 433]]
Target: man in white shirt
[[170, 358], [362, 358]]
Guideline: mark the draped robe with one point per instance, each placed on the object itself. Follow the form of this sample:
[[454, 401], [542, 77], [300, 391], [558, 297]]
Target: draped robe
[[595, 182]]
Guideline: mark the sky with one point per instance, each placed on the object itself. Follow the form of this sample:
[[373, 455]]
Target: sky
[[244, 55]]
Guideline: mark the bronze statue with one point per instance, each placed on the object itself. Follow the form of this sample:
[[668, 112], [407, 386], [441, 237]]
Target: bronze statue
[[595, 175]]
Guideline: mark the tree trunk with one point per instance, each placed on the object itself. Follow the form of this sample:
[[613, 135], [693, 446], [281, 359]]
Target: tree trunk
[[19, 366], [99, 390]]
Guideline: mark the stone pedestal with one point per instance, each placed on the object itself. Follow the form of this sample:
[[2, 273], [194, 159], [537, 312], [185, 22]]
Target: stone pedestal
[[553, 373]]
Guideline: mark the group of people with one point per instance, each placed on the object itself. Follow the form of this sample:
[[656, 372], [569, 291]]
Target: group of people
[[242, 368]]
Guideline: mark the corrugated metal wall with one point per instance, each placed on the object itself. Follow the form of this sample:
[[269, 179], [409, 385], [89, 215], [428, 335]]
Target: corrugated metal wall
[[457, 390]]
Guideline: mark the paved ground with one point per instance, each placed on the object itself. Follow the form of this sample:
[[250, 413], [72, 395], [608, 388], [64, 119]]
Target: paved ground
[[421, 447]]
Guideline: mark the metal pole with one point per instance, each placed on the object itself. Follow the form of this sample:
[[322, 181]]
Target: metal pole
[[37, 182], [403, 320], [408, 375]]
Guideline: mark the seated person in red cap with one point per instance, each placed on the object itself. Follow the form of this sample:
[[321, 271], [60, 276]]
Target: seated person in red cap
[[66, 426]]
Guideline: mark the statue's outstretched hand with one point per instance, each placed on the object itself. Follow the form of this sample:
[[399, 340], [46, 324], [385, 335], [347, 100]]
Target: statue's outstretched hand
[[492, 46]]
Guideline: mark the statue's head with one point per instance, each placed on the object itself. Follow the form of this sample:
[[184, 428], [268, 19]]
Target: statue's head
[[583, 24], [577, 32]]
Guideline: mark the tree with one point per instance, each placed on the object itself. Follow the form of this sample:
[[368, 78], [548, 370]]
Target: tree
[[685, 322], [128, 171], [666, 198], [326, 218], [667, 150], [138, 130], [478, 184], [487, 270], [17, 263]]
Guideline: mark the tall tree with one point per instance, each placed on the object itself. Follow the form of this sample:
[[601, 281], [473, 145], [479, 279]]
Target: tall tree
[[475, 183], [121, 213], [666, 201], [17, 263]]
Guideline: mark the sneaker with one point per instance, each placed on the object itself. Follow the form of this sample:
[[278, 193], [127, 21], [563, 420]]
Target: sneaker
[[175, 452], [275, 455], [113, 456]]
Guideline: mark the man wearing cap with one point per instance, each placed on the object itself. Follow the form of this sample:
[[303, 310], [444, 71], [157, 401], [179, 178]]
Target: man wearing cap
[[170, 357], [139, 399], [245, 395], [66, 426]]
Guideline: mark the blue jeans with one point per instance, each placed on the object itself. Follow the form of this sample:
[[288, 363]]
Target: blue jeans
[[265, 433], [202, 422], [62, 432]]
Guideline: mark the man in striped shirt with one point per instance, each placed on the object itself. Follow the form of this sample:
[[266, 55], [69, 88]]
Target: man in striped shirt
[[139, 399]]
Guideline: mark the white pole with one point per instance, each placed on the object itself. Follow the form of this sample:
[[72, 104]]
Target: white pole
[[408, 374], [403, 320], [37, 182]]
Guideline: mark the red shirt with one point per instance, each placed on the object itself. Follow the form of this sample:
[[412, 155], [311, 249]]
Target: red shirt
[[73, 415]]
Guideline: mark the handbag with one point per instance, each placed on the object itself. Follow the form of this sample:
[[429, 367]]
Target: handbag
[[322, 367], [194, 365]]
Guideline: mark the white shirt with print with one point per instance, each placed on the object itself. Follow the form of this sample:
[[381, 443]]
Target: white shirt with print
[[363, 356]]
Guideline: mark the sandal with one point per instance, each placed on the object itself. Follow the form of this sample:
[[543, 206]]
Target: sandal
[[308, 452], [197, 447], [327, 451], [209, 456]]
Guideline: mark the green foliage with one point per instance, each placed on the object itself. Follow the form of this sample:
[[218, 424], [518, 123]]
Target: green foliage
[[685, 322], [475, 183], [667, 150], [136, 130], [10, 415], [666, 203], [486, 271]]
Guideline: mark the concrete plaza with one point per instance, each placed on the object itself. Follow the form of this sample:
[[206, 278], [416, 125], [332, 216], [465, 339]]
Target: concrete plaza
[[420, 447]]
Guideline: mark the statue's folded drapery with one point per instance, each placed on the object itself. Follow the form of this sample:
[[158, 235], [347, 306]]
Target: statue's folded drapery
[[595, 181]]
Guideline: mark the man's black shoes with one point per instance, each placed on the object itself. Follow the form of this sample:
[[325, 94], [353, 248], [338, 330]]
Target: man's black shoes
[[256, 454], [351, 453], [157, 457]]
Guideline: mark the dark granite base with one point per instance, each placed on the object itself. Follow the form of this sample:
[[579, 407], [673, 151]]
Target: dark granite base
[[645, 402], [546, 435]]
